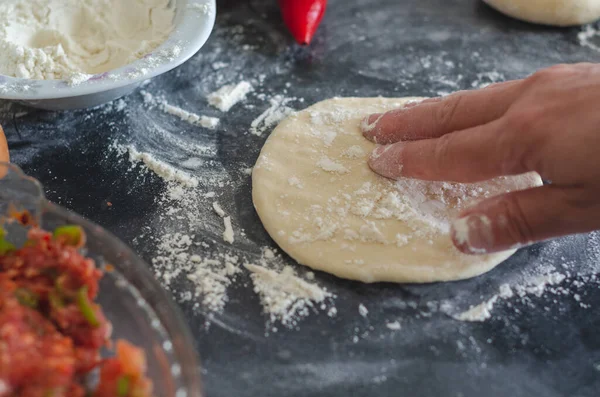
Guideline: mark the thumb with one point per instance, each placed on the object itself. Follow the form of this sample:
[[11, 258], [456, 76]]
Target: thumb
[[521, 218]]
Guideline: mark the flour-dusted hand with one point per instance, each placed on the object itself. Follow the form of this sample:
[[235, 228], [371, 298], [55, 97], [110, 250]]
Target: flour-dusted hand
[[548, 123]]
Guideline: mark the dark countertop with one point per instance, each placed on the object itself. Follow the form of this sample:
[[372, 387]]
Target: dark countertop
[[544, 345]]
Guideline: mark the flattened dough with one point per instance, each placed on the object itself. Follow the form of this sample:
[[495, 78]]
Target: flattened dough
[[318, 199], [550, 12]]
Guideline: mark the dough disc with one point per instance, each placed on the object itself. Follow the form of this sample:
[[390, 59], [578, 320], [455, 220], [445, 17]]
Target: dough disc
[[550, 12], [318, 199]]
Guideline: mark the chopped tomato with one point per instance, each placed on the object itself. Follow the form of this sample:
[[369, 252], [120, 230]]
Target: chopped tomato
[[123, 375], [51, 330]]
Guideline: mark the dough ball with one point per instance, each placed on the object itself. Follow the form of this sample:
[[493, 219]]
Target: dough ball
[[319, 200], [550, 12]]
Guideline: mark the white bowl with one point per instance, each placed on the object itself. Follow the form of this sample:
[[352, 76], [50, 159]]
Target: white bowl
[[193, 23]]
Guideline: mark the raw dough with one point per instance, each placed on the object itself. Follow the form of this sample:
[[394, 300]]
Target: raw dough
[[550, 12], [318, 199]]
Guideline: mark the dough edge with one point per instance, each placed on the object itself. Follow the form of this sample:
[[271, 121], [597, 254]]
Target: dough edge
[[549, 12]]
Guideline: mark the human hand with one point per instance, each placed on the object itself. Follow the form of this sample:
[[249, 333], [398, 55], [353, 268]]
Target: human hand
[[548, 123]]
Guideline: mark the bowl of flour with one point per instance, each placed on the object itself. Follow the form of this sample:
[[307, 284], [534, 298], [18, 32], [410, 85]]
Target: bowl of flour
[[72, 54]]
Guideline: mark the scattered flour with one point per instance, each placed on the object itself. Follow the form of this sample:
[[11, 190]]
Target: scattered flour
[[590, 37], [227, 96], [534, 286], [162, 169], [285, 296], [276, 112], [189, 117]]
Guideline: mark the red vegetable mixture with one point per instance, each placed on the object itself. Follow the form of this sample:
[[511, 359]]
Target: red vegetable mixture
[[51, 331]]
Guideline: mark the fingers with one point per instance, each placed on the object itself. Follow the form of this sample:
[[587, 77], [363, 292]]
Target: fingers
[[438, 116], [470, 155], [520, 218]]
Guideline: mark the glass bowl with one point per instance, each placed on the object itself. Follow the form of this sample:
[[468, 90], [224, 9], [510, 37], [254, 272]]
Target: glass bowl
[[139, 309]]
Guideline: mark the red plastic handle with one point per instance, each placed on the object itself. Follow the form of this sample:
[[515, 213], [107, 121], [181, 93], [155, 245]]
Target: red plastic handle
[[302, 17]]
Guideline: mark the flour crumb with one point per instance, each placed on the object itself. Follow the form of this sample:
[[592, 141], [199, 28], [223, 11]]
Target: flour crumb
[[219, 211], [229, 95], [480, 312], [228, 233], [394, 326], [362, 310], [219, 65]]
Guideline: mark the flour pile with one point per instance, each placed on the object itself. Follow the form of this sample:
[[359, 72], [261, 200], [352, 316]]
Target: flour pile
[[70, 39]]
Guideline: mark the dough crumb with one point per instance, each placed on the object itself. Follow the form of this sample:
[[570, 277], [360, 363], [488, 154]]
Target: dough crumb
[[218, 209], [394, 326], [228, 233], [362, 310], [229, 95]]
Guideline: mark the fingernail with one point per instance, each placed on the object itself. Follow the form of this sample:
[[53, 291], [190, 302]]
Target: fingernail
[[411, 104], [379, 150], [473, 234], [368, 123], [387, 165]]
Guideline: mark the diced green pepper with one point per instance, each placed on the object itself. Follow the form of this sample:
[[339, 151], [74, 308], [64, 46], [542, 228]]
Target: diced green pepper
[[6, 247], [123, 386], [50, 393], [86, 308], [55, 299], [27, 298], [70, 234]]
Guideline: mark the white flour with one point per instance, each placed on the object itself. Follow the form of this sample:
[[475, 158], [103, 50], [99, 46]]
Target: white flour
[[70, 39]]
